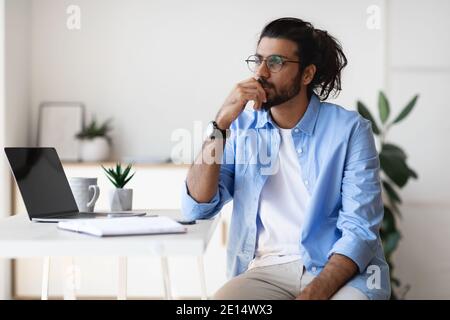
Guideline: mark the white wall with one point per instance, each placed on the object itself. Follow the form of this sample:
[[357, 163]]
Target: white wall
[[14, 96], [419, 47], [159, 65], [17, 70], [5, 267], [15, 44]]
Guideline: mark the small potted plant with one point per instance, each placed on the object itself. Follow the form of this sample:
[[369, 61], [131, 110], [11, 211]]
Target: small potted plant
[[120, 199], [95, 143]]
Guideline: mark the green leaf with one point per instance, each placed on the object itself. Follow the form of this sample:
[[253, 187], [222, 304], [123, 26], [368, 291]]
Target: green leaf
[[396, 282], [383, 107], [93, 130], [392, 201], [406, 110], [395, 167], [392, 149], [391, 242], [365, 113], [113, 182], [93, 125], [390, 191], [412, 173], [105, 128], [109, 172], [393, 163], [127, 170], [126, 181], [112, 174], [388, 225], [117, 176]]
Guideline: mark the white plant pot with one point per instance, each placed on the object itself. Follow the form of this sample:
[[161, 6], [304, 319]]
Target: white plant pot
[[92, 150], [121, 199]]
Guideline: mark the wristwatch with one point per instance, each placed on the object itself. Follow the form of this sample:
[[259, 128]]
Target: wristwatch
[[213, 131]]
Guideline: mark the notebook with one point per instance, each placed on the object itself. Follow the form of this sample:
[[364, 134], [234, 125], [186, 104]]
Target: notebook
[[123, 226]]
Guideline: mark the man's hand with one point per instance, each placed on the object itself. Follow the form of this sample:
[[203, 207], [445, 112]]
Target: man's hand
[[337, 272], [234, 104], [314, 291]]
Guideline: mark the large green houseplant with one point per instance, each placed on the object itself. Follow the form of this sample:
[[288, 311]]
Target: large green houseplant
[[395, 174]]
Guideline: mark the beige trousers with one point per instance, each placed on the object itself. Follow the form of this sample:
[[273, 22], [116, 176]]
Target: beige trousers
[[277, 282]]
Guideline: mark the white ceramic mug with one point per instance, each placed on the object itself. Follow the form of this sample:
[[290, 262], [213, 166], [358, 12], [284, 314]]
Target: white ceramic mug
[[85, 192]]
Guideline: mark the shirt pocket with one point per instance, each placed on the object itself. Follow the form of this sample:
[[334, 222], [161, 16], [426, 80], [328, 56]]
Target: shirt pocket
[[245, 154]]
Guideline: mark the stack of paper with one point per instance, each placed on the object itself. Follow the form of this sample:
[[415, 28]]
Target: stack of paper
[[123, 226]]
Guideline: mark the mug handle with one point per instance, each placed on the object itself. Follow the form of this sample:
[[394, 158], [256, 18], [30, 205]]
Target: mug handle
[[95, 197]]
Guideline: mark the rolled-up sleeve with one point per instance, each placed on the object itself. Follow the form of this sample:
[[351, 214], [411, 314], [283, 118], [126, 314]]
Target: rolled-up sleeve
[[192, 209], [361, 213]]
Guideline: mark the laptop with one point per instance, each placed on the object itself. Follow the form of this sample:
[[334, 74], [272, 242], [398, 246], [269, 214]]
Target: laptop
[[43, 185]]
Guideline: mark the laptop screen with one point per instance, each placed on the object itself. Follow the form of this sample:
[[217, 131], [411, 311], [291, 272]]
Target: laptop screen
[[41, 180]]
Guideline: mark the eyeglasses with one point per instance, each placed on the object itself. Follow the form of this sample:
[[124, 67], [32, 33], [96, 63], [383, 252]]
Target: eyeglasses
[[274, 62]]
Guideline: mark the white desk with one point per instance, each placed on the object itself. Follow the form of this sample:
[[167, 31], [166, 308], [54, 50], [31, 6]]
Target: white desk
[[21, 238]]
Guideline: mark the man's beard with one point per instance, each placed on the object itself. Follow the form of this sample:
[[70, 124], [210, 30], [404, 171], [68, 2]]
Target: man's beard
[[284, 95]]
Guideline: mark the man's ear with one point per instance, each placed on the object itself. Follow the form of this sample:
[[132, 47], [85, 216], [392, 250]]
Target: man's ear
[[308, 74]]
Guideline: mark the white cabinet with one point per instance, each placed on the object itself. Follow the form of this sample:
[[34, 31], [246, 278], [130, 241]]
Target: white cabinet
[[155, 187]]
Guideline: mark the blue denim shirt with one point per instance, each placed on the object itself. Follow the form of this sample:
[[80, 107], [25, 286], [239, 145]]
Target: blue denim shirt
[[340, 169]]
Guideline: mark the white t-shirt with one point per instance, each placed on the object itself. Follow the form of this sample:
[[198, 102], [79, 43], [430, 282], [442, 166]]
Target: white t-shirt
[[282, 209]]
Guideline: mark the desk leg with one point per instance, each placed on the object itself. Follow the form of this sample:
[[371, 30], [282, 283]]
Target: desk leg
[[201, 269], [166, 278], [122, 283], [45, 278], [70, 278]]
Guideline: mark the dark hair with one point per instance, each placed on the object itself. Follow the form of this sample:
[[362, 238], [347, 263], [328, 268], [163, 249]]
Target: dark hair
[[314, 47]]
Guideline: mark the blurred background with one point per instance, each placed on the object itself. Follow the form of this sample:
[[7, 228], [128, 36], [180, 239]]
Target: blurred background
[[156, 67]]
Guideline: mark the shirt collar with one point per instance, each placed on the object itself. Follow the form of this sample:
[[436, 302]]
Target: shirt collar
[[306, 124]]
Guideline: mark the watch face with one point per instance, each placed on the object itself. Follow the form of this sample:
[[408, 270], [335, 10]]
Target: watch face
[[210, 129]]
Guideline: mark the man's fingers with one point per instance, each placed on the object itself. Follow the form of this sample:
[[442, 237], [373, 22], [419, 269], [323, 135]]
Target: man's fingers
[[255, 85], [251, 95], [255, 95], [263, 94], [247, 81]]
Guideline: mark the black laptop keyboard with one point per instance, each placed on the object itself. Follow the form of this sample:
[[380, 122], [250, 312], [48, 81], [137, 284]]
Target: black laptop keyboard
[[75, 215]]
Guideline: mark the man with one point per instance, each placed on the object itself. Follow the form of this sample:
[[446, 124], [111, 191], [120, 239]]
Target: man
[[303, 175]]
